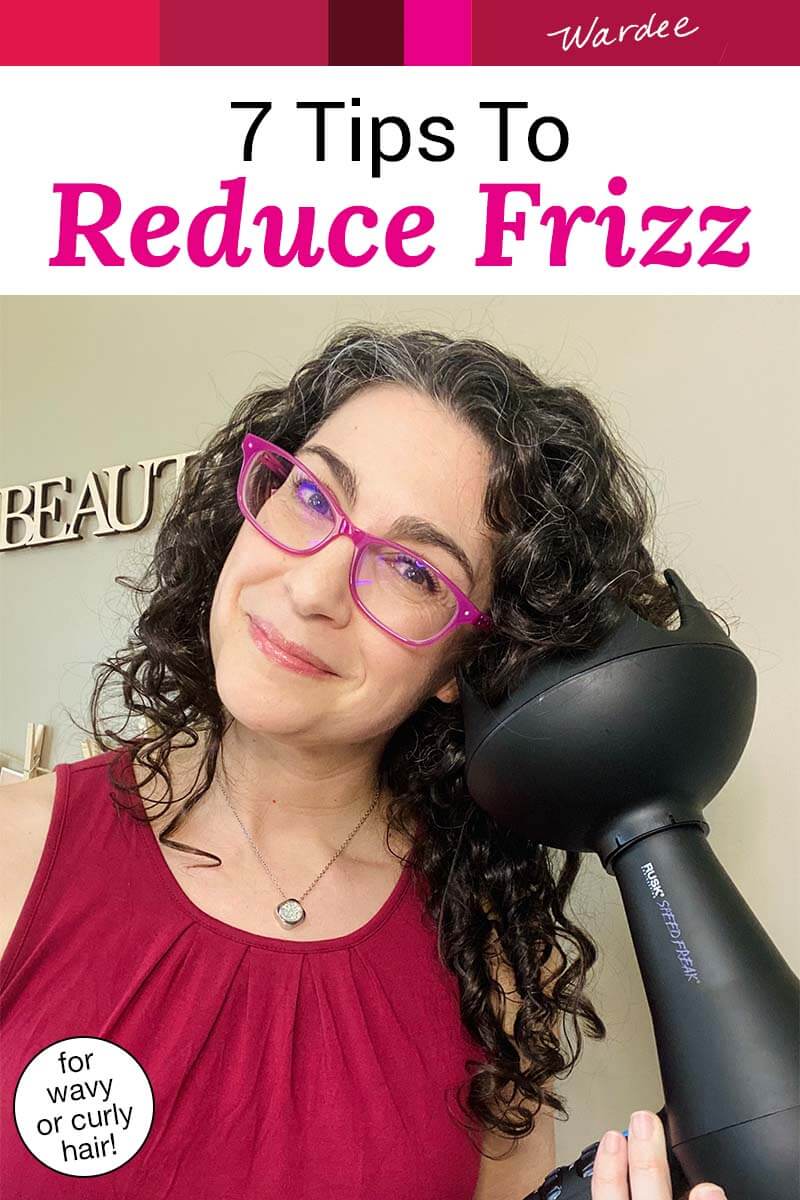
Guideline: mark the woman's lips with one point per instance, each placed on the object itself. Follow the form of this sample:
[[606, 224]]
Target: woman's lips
[[281, 656]]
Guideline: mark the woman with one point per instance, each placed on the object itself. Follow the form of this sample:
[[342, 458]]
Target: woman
[[293, 915]]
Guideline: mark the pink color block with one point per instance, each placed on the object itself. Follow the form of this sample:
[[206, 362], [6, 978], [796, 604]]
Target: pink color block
[[437, 34]]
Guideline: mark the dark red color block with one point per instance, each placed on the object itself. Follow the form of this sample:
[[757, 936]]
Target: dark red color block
[[366, 33], [244, 33], [514, 32], [93, 33]]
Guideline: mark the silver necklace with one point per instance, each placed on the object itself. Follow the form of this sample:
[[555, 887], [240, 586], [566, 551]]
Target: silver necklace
[[290, 912]]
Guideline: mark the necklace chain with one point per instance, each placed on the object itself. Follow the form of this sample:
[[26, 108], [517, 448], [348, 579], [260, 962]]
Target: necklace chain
[[325, 868]]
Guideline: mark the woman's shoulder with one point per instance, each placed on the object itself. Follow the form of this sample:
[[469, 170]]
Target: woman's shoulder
[[26, 809], [34, 815]]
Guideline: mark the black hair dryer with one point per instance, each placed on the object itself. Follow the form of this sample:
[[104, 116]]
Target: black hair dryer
[[617, 751]]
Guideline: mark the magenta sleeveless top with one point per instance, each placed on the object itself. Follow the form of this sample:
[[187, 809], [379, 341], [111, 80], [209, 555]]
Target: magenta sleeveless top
[[280, 1070]]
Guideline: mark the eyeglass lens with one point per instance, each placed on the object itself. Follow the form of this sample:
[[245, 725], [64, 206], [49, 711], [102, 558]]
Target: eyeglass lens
[[398, 589]]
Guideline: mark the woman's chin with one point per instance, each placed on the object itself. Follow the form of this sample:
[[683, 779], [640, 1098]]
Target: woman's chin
[[269, 699]]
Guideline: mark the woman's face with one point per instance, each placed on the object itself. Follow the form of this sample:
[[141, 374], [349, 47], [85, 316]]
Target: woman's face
[[409, 457]]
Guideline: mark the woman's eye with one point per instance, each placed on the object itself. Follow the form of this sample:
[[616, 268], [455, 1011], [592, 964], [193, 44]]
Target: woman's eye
[[312, 497], [419, 572]]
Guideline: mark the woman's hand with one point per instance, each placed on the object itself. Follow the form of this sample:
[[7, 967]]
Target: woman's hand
[[642, 1160]]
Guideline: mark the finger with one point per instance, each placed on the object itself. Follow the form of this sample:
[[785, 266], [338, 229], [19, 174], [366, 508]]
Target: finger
[[707, 1191], [610, 1169], [648, 1169]]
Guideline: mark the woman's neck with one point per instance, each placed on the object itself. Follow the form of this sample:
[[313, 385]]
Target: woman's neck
[[289, 806]]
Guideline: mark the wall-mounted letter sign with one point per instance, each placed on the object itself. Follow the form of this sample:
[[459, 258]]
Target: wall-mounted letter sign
[[27, 508]]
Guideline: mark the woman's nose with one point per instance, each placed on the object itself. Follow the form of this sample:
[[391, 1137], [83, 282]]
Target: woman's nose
[[321, 581]]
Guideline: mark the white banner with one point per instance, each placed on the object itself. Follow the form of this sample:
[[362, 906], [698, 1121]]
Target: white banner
[[587, 180]]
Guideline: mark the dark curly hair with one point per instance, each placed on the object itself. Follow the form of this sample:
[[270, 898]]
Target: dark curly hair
[[571, 510]]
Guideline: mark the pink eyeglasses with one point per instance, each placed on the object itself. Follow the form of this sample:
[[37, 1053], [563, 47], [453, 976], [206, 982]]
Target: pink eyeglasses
[[403, 594]]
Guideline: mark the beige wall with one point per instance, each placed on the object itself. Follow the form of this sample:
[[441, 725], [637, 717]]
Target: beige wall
[[703, 391]]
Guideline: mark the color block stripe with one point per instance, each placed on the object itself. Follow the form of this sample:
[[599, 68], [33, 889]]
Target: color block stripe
[[389, 32], [93, 33], [366, 33], [438, 33], [244, 33]]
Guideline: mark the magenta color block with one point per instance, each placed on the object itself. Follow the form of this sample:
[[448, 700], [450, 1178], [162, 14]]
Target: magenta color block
[[244, 33], [437, 34], [91, 33]]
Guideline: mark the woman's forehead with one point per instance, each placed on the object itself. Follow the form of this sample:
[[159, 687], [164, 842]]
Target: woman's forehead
[[385, 422], [403, 455]]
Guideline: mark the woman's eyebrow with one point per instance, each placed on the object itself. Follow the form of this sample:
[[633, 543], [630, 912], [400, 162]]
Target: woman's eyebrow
[[416, 528], [345, 475]]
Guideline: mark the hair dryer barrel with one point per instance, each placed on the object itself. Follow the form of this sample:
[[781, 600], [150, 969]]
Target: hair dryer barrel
[[726, 1017]]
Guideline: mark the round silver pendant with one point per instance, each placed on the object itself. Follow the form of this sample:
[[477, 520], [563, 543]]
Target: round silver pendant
[[290, 913]]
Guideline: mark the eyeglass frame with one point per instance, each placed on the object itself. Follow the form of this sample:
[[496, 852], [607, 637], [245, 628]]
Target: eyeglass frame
[[466, 612]]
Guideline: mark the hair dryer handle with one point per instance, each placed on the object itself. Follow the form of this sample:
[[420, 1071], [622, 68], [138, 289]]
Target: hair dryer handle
[[573, 1182]]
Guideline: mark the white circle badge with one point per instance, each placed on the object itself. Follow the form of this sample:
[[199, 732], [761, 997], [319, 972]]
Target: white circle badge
[[83, 1106]]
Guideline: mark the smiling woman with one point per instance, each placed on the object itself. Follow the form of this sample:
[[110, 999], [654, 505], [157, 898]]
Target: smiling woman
[[358, 977]]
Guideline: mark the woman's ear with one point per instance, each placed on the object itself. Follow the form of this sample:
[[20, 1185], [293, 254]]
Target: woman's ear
[[449, 692]]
